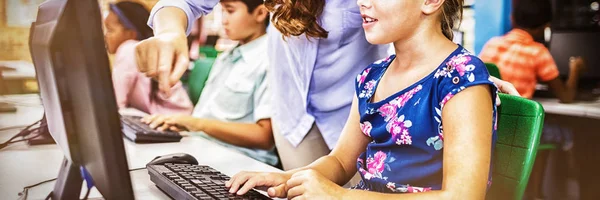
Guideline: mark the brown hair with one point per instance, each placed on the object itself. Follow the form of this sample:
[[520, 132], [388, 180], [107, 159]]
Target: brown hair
[[295, 17], [452, 13]]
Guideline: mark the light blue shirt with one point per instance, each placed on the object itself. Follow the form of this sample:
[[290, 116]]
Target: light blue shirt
[[312, 80], [237, 91]]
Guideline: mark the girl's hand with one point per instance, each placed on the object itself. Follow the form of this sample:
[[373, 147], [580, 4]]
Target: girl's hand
[[505, 87], [310, 184], [244, 181]]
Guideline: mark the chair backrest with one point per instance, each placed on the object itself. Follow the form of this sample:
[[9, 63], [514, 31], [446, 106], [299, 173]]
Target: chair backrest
[[519, 128], [198, 77], [208, 51], [493, 70]]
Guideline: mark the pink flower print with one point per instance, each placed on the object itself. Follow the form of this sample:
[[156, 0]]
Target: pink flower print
[[411, 189], [383, 60], [465, 68], [366, 128], [376, 165], [446, 99], [496, 121], [408, 95], [459, 62], [361, 78], [368, 91], [391, 186], [388, 111], [399, 126], [405, 138], [370, 85]]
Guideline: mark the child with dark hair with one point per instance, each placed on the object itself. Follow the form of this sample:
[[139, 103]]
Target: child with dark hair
[[125, 26], [523, 62]]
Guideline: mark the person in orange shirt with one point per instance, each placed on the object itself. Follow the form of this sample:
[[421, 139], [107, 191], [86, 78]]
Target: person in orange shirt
[[522, 61]]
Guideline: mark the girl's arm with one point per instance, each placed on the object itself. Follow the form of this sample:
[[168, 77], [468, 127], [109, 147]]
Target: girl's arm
[[339, 166]]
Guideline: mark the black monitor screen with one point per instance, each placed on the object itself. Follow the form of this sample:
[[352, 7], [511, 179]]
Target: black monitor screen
[[69, 54]]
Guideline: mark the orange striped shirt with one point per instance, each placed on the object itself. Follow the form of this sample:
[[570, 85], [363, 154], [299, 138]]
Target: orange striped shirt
[[521, 60]]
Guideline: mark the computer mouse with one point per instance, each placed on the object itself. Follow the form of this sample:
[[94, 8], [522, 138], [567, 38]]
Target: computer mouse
[[177, 158]]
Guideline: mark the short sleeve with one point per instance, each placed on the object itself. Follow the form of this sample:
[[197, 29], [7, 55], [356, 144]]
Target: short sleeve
[[365, 83], [193, 9], [463, 71], [262, 100], [546, 69], [360, 79]]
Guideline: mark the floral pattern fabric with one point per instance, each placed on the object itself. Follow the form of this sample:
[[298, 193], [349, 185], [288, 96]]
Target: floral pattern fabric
[[406, 152]]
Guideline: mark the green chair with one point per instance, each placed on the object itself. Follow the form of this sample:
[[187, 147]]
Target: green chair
[[519, 129], [197, 78], [208, 51], [493, 70]]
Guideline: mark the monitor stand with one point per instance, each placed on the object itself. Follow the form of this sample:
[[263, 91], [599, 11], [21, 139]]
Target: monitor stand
[[68, 183]]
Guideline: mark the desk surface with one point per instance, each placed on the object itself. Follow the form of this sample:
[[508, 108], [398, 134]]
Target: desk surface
[[589, 109], [23, 165], [20, 70]]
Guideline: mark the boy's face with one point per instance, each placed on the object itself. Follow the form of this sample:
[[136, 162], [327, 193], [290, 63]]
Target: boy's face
[[238, 23]]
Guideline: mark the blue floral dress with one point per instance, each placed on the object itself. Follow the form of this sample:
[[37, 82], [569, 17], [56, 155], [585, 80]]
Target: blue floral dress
[[406, 152]]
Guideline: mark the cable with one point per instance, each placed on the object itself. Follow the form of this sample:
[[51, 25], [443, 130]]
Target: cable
[[25, 191], [23, 194], [25, 132], [11, 128]]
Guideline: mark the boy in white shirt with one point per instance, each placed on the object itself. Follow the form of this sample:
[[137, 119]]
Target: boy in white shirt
[[234, 107]]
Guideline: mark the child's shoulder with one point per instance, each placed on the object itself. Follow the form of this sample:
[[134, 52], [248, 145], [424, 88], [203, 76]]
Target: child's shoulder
[[373, 67], [462, 67]]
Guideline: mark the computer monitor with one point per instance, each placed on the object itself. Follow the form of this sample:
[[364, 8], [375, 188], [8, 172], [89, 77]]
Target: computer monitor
[[68, 50], [564, 44]]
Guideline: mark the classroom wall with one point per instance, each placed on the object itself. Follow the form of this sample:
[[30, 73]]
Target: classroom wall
[[492, 18], [14, 38]]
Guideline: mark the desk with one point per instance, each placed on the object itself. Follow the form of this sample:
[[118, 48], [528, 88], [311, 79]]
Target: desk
[[23, 165], [583, 118], [18, 77], [589, 109]]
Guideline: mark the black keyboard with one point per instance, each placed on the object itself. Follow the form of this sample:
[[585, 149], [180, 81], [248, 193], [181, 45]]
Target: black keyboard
[[138, 132], [186, 181]]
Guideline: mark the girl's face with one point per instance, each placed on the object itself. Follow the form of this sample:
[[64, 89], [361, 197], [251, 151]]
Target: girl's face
[[116, 33], [387, 21]]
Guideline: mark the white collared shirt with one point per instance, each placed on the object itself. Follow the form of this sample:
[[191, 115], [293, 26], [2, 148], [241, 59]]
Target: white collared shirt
[[239, 92]]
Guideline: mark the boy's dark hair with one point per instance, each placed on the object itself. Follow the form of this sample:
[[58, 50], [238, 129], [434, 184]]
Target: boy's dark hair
[[531, 13], [252, 5], [138, 15]]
